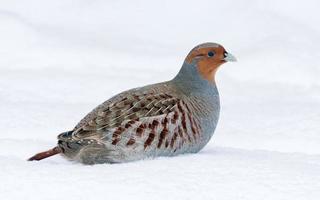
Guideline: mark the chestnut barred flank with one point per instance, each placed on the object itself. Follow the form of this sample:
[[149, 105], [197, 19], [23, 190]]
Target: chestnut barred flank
[[158, 129], [131, 141]]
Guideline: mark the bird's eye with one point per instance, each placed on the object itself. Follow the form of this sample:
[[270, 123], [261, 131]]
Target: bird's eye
[[210, 53]]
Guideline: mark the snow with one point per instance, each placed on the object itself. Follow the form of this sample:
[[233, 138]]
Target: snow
[[59, 59]]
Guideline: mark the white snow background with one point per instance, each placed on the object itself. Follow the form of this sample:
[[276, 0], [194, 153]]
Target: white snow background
[[61, 58]]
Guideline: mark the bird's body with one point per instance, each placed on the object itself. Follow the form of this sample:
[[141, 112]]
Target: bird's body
[[156, 120], [163, 119]]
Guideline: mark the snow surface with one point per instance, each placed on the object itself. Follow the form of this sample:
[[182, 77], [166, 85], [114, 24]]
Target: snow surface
[[59, 59]]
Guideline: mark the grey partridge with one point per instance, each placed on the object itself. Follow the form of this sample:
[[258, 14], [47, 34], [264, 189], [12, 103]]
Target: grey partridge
[[163, 119]]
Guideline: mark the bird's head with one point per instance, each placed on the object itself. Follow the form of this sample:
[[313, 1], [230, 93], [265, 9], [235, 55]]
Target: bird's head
[[207, 58]]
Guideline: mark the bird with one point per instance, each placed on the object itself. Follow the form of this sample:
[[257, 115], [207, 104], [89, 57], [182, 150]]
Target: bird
[[165, 119]]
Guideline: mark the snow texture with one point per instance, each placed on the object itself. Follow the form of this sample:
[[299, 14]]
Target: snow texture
[[61, 58]]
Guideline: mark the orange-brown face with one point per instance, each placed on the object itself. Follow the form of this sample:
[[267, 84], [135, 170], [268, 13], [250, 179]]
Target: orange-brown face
[[208, 58]]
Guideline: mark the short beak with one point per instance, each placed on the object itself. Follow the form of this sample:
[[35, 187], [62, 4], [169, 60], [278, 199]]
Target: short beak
[[228, 57]]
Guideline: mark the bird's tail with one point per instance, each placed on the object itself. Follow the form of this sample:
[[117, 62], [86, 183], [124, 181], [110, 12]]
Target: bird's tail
[[56, 150], [46, 154]]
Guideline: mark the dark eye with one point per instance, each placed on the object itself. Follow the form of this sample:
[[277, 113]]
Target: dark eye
[[210, 53]]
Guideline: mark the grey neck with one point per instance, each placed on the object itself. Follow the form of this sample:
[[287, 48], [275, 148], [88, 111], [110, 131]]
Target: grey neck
[[189, 81]]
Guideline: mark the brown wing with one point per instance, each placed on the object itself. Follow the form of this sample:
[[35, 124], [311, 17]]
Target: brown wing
[[130, 108], [143, 121]]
